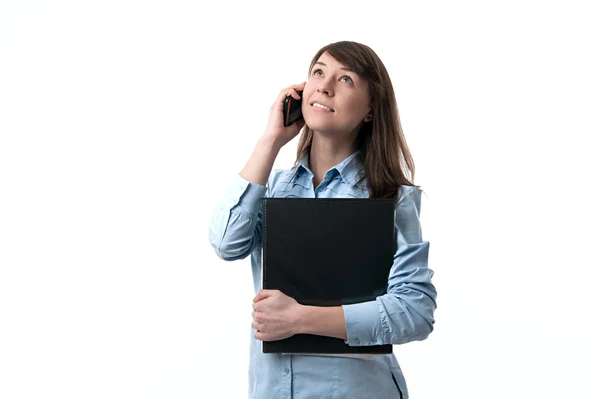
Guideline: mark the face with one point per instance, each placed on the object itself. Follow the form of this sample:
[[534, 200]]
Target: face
[[335, 100]]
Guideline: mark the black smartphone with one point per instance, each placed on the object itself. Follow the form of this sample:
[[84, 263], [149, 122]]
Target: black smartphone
[[292, 109]]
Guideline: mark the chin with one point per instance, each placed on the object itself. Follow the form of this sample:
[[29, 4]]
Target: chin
[[322, 128], [329, 132], [319, 125]]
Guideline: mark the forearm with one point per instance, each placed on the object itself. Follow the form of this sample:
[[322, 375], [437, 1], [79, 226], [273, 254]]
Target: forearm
[[395, 319], [260, 164], [319, 320]]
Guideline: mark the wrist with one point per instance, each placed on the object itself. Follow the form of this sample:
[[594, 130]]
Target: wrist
[[271, 141], [302, 319]]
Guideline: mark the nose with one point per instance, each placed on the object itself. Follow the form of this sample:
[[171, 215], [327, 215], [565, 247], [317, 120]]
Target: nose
[[325, 87]]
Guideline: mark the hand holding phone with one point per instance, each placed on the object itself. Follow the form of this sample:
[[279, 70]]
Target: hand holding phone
[[292, 109], [285, 116]]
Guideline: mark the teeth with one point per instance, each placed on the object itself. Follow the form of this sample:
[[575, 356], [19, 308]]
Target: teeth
[[321, 106]]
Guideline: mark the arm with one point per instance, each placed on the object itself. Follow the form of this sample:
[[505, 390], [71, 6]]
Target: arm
[[261, 161], [405, 312], [278, 316], [236, 225], [276, 135], [320, 320]]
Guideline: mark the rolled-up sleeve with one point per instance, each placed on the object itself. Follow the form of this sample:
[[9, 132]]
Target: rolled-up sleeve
[[235, 228], [405, 312]]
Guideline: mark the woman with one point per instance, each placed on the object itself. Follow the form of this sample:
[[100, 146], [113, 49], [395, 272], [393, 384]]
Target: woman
[[351, 146]]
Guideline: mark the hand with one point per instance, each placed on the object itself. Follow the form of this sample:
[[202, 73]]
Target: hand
[[275, 129], [275, 315]]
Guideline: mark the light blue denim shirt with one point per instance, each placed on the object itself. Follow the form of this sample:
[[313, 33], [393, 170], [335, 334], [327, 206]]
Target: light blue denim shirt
[[403, 314]]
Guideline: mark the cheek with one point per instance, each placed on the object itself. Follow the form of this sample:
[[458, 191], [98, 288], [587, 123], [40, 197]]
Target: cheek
[[307, 91], [304, 105], [306, 94], [358, 106]]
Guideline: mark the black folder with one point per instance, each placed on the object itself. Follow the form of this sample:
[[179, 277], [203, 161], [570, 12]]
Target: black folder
[[327, 252]]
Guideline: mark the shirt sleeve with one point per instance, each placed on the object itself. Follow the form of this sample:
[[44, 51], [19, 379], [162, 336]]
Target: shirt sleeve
[[405, 312], [235, 228]]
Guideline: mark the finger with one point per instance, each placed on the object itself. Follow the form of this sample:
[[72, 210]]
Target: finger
[[278, 104], [263, 336], [262, 294], [294, 91], [289, 91], [299, 86], [255, 325]]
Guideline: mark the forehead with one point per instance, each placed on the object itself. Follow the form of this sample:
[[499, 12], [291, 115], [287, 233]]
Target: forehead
[[330, 62]]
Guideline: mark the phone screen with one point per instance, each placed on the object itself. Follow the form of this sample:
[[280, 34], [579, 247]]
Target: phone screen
[[292, 109]]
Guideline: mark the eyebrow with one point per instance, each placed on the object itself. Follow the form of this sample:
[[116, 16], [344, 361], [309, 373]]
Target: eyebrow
[[343, 68]]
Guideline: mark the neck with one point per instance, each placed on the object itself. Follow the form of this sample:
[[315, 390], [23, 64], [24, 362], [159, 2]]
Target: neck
[[326, 152]]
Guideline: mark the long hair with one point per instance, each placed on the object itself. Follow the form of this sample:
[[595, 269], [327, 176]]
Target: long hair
[[383, 149]]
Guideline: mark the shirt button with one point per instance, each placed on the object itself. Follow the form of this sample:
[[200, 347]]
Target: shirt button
[[287, 371]]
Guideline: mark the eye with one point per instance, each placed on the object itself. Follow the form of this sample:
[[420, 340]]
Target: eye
[[349, 79], [317, 70]]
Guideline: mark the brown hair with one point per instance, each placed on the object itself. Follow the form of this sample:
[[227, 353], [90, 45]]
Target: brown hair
[[383, 149]]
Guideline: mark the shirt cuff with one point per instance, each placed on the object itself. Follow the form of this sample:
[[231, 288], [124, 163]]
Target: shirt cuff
[[363, 324], [246, 195]]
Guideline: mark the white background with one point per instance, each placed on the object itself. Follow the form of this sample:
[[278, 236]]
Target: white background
[[123, 122]]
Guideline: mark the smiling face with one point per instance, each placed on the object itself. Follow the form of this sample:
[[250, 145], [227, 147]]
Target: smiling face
[[335, 100]]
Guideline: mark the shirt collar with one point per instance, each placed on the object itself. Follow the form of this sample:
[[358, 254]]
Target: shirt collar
[[350, 169]]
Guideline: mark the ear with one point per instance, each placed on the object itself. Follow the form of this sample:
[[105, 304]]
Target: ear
[[368, 117]]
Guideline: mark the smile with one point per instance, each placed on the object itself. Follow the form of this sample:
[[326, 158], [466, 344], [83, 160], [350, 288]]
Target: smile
[[321, 106]]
